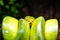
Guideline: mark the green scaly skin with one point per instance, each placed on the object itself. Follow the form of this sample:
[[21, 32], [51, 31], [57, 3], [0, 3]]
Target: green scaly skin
[[9, 28], [12, 29], [51, 29], [29, 19], [24, 30], [38, 29]]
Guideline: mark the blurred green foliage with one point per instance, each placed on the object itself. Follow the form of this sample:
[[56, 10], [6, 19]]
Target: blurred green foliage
[[10, 7], [1, 3]]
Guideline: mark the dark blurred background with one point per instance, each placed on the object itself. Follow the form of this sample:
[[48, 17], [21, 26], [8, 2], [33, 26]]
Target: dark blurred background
[[21, 8]]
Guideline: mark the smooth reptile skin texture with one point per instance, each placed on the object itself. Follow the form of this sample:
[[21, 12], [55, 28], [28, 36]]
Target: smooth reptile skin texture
[[58, 38]]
